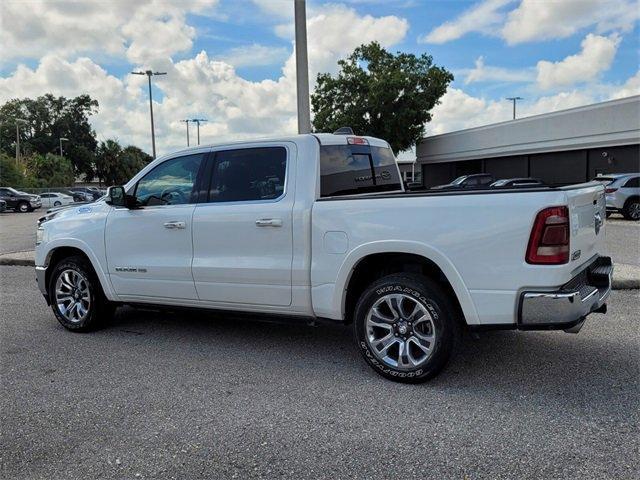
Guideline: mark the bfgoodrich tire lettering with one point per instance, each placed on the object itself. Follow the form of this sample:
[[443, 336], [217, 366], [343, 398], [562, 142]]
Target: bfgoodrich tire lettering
[[406, 328], [76, 296]]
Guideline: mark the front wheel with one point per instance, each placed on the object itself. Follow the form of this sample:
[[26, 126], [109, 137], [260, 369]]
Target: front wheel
[[76, 295], [406, 328], [23, 207], [632, 209], [56, 204]]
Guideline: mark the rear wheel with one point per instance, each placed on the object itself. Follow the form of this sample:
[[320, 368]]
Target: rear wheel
[[631, 209], [77, 299], [406, 327], [56, 204]]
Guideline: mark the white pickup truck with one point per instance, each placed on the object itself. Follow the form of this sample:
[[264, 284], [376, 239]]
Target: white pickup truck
[[319, 226]]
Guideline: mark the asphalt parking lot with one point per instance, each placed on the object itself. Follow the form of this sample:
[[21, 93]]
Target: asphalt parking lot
[[192, 395]]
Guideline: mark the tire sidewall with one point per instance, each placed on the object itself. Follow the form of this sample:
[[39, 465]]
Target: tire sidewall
[[92, 320], [627, 209], [436, 303]]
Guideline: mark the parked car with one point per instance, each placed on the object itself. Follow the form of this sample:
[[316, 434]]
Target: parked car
[[55, 199], [19, 201], [3, 205], [622, 194], [477, 180], [244, 227], [518, 182], [91, 193], [78, 196]]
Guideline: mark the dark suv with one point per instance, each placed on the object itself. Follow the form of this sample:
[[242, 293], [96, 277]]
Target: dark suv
[[477, 180], [19, 201]]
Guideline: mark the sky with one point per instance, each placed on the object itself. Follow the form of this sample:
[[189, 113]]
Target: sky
[[232, 61]]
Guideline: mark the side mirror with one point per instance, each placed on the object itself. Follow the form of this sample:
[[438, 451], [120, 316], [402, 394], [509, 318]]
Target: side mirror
[[116, 196]]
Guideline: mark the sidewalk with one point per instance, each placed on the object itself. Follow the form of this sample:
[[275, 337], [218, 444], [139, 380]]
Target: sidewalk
[[625, 277]]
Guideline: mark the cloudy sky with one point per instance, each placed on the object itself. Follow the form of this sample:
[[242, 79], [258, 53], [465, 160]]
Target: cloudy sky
[[231, 61]]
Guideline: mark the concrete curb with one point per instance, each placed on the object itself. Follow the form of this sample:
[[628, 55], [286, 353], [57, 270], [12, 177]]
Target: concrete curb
[[625, 277]]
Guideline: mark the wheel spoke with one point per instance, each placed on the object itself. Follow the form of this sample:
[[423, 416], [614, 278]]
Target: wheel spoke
[[386, 342], [72, 295]]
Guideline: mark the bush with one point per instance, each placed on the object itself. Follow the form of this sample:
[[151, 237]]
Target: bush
[[11, 175], [50, 170]]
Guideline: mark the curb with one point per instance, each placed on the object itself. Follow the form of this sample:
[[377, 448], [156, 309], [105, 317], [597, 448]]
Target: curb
[[627, 278]]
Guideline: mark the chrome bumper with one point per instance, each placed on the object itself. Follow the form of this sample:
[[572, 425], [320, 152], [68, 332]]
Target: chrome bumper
[[567, 307], [41, 275]]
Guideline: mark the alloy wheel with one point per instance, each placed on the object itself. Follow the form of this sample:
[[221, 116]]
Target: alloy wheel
[[400, 331], [73, 297]]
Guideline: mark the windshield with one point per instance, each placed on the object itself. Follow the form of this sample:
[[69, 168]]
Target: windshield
[[459, 180]]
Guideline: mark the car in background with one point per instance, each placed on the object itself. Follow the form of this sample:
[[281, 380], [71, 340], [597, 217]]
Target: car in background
[[476, 180], [622, 193], [91, 192], [3, 205], [518, 182], [55, 199], [78, 196], [20, 201]]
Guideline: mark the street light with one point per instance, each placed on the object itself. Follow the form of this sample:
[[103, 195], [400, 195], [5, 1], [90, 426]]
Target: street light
[[302, 67], [149, 74], [18, 122], [514, 100], [187, 122], [62, 139], [197, 122]]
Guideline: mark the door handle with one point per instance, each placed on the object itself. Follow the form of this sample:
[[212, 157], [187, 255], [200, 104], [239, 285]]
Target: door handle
[[175, 225], [269, 222]]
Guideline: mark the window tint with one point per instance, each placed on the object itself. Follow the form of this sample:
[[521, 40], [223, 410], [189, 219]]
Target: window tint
[[170, 183], [485, 180], [349, 169], [632, 183], [248, 174]]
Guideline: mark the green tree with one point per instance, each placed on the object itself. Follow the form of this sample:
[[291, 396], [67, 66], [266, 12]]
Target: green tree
[[380, 94], [48, 119], [50, 170], [115, 165], [10, 174]]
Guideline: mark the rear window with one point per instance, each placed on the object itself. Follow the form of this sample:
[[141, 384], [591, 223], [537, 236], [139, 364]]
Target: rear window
[[350, 169], [633, 183]]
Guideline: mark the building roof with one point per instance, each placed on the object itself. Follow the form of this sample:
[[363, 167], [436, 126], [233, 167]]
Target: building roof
[[615, 122]]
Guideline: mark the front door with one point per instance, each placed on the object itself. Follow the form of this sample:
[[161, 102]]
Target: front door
[[242, 235], [149, 249]]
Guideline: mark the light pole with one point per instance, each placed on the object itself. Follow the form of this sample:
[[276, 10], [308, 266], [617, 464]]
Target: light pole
[[149, 74], [187, 122], [62, 139], [197, 122], [18, 122], [514, 100], [302, 67]]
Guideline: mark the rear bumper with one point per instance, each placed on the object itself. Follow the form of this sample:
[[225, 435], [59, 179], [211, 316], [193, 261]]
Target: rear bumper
[[567, 307]]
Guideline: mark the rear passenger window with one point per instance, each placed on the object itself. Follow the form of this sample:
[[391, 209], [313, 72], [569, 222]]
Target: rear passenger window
[[350, 169], [633, 183], [248, 174]]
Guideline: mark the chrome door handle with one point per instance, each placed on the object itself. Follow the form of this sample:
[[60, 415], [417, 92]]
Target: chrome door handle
[[269, 222], [174, 225]]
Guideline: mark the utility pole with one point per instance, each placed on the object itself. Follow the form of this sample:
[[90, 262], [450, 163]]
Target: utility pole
[[197, 122], [149, 74], [62, 139], [302, 67], [187, 122], [514, 100], [18, 122]]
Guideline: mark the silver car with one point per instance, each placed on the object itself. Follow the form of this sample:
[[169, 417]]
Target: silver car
[[622, 192]]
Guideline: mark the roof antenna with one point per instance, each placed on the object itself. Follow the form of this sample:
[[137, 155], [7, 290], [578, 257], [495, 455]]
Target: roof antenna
[[344, 131]]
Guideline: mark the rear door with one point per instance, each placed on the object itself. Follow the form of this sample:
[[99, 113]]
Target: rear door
[[587, 212], [242, 234]]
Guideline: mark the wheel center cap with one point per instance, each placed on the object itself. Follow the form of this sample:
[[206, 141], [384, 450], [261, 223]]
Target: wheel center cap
[[402, 328]]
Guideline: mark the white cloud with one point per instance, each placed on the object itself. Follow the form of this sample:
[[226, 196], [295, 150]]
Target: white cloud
[[487, 73], [631, 87], [255, 55], [141, 29], [481, 17], [596, 56], [534, 20], [235, 107]]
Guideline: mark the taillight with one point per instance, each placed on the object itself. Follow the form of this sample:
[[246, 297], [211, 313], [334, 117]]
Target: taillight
[[357, 141], [610, 190], [549, 240]]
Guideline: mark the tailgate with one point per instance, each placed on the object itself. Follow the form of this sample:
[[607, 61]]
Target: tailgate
[[587, 213]]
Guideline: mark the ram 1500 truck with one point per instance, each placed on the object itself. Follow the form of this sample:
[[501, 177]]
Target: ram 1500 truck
[[319, 226]]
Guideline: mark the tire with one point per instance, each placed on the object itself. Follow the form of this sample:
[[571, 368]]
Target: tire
[[56, 204], [631, 210], [23, 207], [427, 326], [75, 276]]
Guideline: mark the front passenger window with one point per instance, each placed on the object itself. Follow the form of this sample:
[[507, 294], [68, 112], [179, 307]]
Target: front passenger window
[[170, 183]]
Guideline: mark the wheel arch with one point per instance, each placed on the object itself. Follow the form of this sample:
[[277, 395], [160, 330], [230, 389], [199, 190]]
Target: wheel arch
[[372, 261]]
